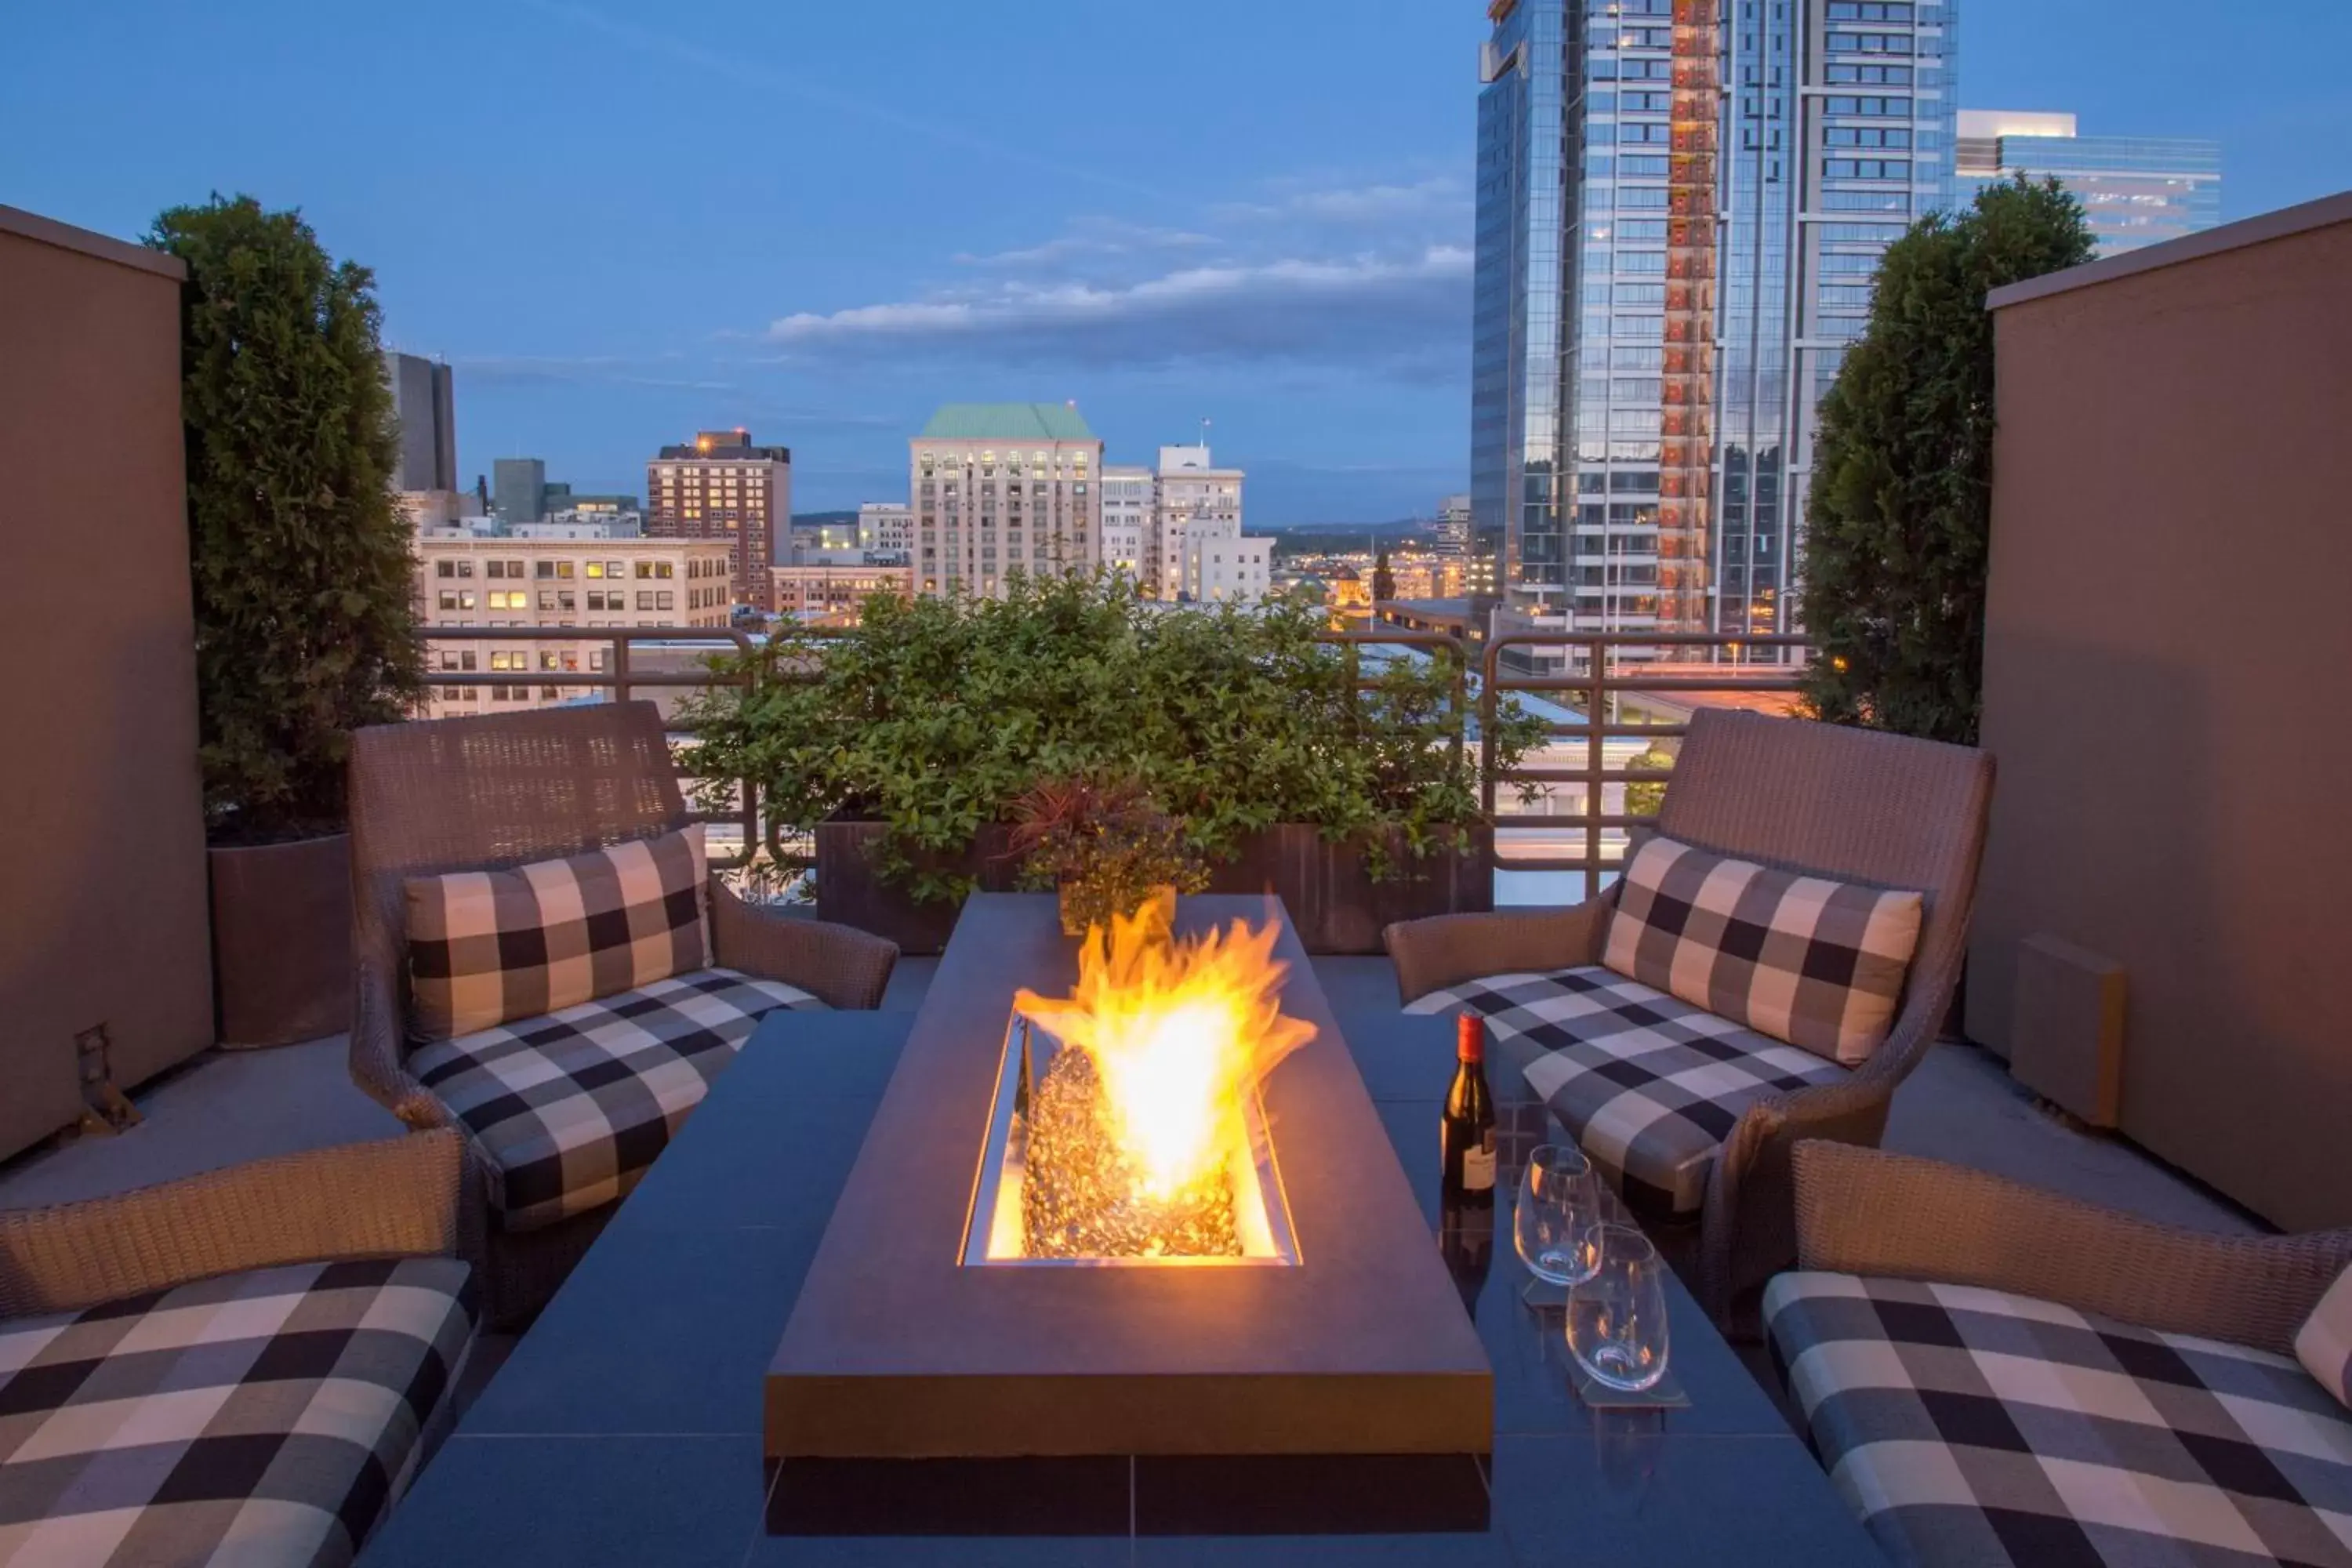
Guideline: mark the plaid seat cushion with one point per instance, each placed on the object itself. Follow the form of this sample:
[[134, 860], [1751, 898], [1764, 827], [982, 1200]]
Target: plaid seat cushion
[[488, 946], [1815, 963], [2324, 1345], [1971, 1426], [263, 1419], [571, 1108], [1649, 1084]]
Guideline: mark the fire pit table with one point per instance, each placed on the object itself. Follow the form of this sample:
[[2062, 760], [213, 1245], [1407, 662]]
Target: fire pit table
[[791, 1347]]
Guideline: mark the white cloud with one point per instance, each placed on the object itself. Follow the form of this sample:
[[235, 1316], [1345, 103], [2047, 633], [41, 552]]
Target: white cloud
[[1439, 197], [1371, 310]]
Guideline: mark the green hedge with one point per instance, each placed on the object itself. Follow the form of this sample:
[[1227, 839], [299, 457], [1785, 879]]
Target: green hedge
[[935, 716]]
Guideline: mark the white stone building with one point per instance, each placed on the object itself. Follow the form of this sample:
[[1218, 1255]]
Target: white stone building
[[1000, 487], [1190, 490], [1126, 525], [885, 528]]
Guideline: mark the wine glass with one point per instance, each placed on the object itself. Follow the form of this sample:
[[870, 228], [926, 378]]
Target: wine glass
[[1617, 1315], [1556, 1221]]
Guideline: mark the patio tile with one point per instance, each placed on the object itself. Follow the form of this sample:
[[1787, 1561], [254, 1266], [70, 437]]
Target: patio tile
[[1631, 1495], [671, 1333], [789, 1160], [1403, 1056], [578, 1503]]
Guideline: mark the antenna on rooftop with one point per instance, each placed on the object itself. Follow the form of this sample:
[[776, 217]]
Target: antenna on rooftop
[[1204, 435]]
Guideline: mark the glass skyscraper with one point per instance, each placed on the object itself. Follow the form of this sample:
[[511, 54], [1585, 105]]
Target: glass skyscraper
[[2135, 190], [1680, 205]]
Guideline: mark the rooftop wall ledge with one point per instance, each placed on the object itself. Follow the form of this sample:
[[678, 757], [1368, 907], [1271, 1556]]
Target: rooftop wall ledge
[[49, 231], [2323, 212]]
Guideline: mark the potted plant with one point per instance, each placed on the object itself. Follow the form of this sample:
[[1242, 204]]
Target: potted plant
[[904, 745], [305, 624], [1107, 847]]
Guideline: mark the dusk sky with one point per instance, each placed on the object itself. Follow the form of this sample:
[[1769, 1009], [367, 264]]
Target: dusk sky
[[821, 221]]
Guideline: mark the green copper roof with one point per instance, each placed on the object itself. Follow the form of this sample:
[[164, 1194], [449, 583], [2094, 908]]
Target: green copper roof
[[1007, 422]]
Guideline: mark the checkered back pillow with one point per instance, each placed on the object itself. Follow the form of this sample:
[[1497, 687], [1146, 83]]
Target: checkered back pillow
[[1815, 963], [2324, 1345], [485, 947]]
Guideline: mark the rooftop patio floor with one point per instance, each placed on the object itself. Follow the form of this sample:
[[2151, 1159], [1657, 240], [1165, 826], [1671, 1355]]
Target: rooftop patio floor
[[230, 1106]]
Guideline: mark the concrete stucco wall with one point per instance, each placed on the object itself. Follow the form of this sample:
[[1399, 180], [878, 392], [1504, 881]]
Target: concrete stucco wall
[[103, 903], [2168, 687]]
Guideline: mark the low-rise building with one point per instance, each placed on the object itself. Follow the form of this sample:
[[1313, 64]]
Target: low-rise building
[[466, 578], [1192, 494], [885, 528], [831, 587], [1220, 566], [1126, 525]]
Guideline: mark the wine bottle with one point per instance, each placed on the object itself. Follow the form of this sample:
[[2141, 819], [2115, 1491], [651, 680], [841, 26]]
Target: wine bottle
[[1466, 1139]]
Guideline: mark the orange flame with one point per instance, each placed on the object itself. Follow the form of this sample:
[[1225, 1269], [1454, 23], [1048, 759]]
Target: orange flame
[[1181, 1032]]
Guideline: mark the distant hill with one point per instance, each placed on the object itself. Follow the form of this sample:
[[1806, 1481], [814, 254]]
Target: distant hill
[[1328, 538]]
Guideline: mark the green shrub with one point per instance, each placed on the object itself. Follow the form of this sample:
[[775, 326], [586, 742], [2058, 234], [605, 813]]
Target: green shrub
[[1901, 508], [936, 715], [305, 627]]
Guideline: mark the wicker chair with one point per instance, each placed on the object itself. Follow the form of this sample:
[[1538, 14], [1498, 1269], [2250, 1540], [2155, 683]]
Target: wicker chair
[[1851, 805], [308, 1248], [458, 794], [1910, 1270]]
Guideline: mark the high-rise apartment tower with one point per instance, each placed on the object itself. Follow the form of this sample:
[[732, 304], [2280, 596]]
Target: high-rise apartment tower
[[2135, 190], [424, 402], [1680, 205], [723, 486]]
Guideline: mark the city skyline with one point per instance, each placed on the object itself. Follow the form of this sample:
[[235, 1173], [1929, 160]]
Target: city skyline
[[822, 264]]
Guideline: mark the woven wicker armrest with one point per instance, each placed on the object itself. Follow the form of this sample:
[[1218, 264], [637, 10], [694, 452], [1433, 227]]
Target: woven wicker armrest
[[1862, 1211], [840, 965], [396, 1198], [1447, 950], [379, 1050]]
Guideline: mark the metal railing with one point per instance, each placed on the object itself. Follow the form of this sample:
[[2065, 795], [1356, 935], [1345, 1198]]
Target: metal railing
[[1593, 674], [1603, 690]]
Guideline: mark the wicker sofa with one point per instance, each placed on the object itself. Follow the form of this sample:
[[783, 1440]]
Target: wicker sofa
[[244, 1366], [1994, 1375], [467, 795], [1851, 805]]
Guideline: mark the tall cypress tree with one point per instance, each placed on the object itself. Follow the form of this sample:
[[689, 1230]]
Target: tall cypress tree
[[305, 624], [1901, 508]]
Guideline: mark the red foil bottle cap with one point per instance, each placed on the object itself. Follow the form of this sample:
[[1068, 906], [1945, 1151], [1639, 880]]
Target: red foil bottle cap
[[1470, 1037]]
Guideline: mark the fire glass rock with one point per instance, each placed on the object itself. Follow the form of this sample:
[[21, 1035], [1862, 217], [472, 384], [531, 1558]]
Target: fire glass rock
[[1079, 1194]]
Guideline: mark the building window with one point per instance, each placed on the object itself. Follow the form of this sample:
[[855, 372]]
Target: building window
[[644, 568], [664, 600], [445, 569], [645, 600], [596, 568]]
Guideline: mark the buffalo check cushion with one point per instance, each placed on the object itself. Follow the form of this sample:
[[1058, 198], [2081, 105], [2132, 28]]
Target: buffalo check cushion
[[1649, 1084], [571, 1109], [1971, 1426], [2324, 1345], [488, 946], [266, 1418], [1815, 963]]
